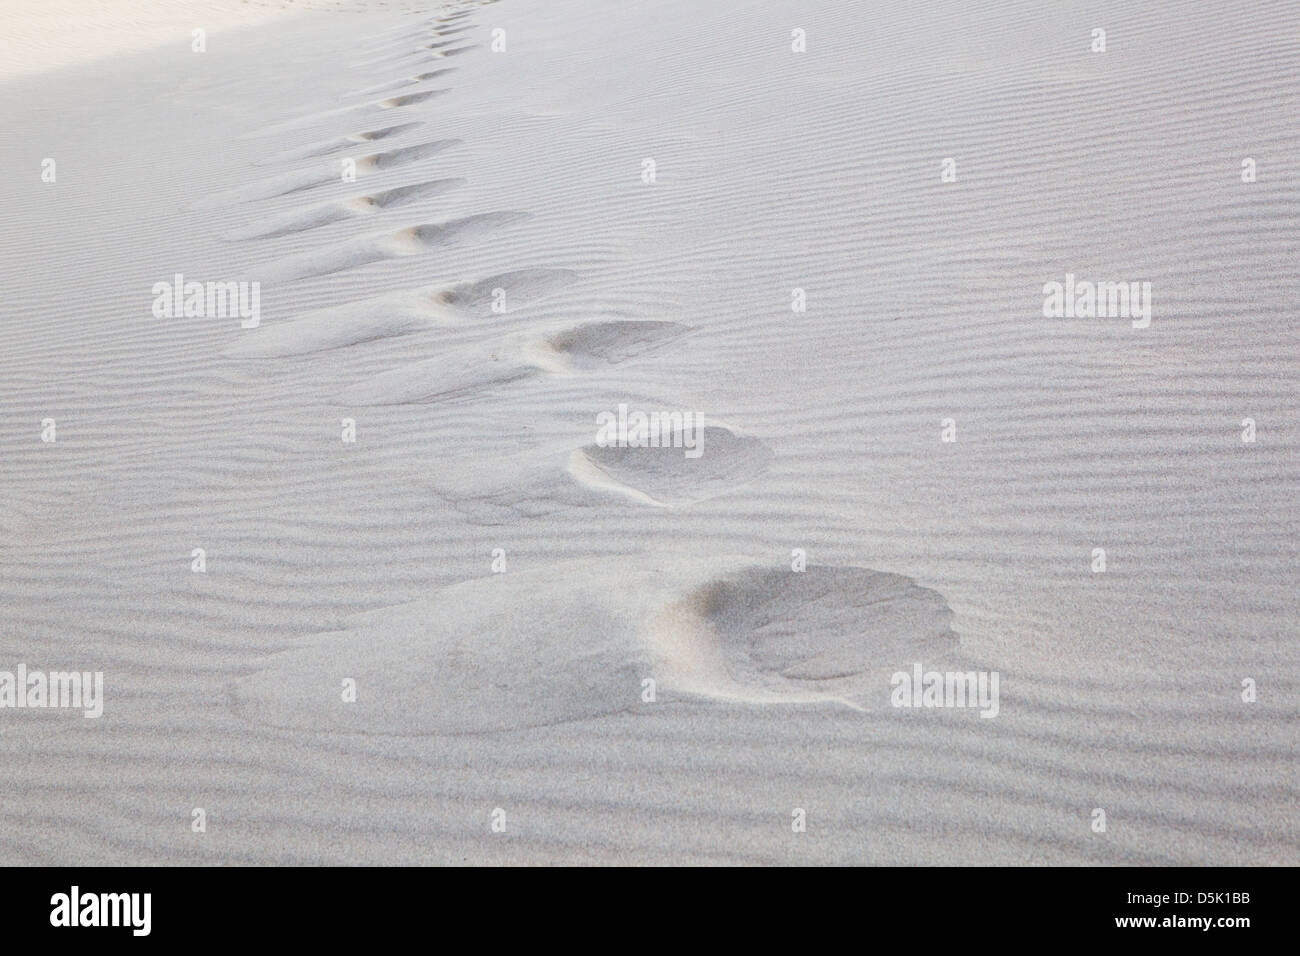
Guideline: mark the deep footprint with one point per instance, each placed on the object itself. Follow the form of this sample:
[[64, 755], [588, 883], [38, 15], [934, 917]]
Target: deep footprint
[[669, 475], [301, 221], [399, 84], [499, 362], [406, 242], [536, 648], [324, 174], [408, 99], [597, 345], [475, 300], [337, 144], [775, 635]]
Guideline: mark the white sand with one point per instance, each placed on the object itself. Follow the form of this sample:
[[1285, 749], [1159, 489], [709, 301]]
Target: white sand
[[476, 430]]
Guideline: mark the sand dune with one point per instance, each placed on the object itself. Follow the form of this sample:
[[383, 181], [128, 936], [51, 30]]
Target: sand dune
[[395, 476]]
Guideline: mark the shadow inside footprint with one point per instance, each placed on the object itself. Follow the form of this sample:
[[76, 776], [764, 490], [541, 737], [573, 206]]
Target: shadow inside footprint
[[595, 345], [770, 635], [317, 216], [406, 242], [689, 464], [337, 144], [408, 99], [510, 289], [405, 154]]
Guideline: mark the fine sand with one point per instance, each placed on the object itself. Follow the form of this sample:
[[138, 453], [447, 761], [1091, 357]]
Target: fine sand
[[464, 260]]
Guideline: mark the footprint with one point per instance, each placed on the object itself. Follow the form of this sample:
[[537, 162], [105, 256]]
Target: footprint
[[383, 87], [666, 475], [338, 144], [457, 51], [408, 99], [309, 119], [499, 362], [474, 300], [406, 242], [399, 84], [503, 490], [597, 345], [390, 159], [302, 220], [501, 653], [405, 60], [387, 316], [451, 375], [301, 180], [770, 635], [282, 185], [352, 323], [403, 195], [536, 648]]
